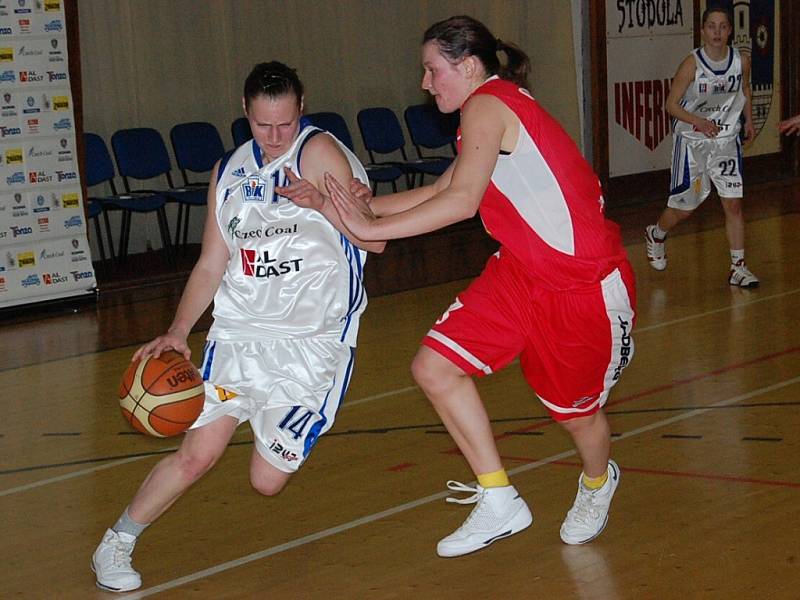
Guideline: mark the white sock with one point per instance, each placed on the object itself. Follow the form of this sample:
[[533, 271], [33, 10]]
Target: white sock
[[658, 232], [736, 256], [125, 524]]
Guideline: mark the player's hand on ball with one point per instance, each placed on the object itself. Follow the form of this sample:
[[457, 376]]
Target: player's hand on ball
[[168, 341]]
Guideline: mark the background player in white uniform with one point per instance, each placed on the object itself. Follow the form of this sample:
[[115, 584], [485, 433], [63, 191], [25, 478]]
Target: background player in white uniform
[[287, 294], [709, 95]]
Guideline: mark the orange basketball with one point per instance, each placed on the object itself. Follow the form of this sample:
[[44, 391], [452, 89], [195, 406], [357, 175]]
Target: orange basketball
[[162, 396]]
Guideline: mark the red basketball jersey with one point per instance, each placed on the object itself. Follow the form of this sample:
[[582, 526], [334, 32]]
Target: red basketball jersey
[[544, 203]]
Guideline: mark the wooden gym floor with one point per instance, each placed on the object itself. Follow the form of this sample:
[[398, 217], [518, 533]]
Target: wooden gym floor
[[706, 426]]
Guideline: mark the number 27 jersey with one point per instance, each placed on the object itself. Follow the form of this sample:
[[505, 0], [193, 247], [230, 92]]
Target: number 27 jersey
[[714, 94]]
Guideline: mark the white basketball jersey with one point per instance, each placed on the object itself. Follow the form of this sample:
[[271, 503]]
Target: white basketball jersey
[[715, 94], [290, 273]]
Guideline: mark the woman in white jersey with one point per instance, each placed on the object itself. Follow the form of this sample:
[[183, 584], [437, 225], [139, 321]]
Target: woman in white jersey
[[287, 291], [709, 95]]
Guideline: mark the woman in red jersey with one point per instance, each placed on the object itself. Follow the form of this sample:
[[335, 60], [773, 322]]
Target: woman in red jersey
[[559, 294]]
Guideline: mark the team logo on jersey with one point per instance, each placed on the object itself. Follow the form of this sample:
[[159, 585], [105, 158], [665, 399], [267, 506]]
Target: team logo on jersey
[[258, 264], [232, 225], [754, 34], [253, 190]]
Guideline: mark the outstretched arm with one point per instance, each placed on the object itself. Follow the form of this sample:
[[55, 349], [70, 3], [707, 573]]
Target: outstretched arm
[[322, 154], [484, 122]]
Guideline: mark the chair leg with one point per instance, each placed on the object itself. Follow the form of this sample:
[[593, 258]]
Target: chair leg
[[178, 227], [125, 228], [110, 239], [165, 237], [100, 244], [186, 228]]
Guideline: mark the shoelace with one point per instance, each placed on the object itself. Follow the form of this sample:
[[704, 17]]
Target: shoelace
[[477, 496], [584, 507], [457, 486], [122, 554]]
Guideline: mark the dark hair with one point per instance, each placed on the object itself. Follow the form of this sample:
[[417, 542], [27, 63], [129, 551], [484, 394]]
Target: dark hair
[[712, 7], [462, 36], [273, 80]]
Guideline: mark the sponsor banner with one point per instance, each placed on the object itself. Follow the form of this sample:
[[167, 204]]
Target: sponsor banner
[[640, 72], [646, 41], [40, 113], [754, 35], [637, 18], [44, 251]]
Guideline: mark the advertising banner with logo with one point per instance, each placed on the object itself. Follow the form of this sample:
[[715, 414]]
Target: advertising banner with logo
[[646, 41], [44, 251]]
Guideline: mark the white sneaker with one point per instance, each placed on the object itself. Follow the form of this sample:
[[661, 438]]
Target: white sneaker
[[741, 276], [499, 513], [589, 514], [656, 251], [111, 562]]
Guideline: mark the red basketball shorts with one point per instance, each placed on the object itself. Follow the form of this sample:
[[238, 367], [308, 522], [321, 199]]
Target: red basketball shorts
[[573, 345]]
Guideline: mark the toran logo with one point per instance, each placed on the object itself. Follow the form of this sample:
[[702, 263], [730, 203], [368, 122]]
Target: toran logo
[[640, 107]]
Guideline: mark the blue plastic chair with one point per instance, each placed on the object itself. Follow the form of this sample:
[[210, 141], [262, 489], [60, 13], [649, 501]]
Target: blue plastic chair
[[141, 154], [335, 124], [197, 147], [100, 170], [382, 134], [432, 130], [240, 131]]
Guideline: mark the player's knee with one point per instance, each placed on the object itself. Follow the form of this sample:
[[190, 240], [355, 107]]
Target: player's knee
[[425, 371], [265, 484], [193, 465], [433, 373], [578, 425], [733, 208]]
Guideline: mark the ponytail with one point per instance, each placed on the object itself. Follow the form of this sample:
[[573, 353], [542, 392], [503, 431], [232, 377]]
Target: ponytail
[[462, 36], [517, 66]]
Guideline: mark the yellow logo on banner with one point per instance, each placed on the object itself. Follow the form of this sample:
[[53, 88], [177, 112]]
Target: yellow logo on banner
[[60, 103], [26, 259], [6, 54], [52, 5], [70, 201], [14, 156]]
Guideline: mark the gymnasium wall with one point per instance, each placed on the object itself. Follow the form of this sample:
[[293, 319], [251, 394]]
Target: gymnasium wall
[[155, 63]]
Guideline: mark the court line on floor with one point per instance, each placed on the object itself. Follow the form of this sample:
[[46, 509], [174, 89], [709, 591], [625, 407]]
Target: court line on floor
[[90, 470], [666, 473], [226, 566]]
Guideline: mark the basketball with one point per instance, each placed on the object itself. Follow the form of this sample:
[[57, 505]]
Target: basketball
[[161, 396]]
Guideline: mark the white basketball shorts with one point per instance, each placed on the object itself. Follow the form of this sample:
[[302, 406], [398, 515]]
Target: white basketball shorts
[[697, 163], [288, 389]]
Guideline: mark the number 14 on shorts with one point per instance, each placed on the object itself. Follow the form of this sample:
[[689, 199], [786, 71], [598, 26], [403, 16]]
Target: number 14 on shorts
[[296, 421]]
